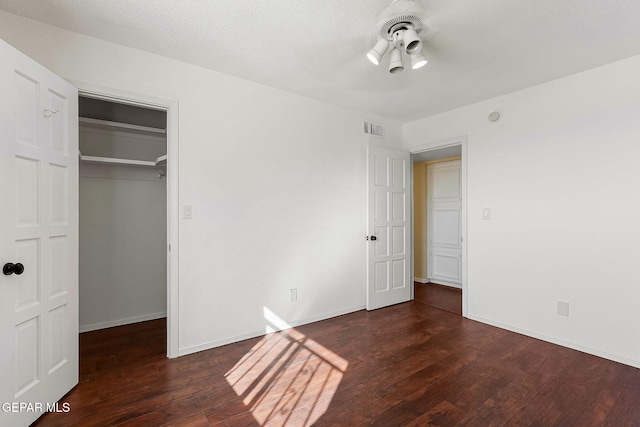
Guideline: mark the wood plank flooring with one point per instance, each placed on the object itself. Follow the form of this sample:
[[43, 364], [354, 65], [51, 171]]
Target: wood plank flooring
[[407, 365], [439, 296]]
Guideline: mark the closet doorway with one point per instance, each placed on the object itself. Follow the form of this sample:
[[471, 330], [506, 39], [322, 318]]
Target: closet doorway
[[124, 223], [439, 214]]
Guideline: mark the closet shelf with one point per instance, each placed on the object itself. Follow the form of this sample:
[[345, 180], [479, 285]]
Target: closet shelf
[[120, 125], [160, 161]]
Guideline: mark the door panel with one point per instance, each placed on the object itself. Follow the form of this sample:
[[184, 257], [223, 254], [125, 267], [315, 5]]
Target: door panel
[[381, 246], [447, 266], [26, 191], [58, 194], [26, 93], [59, 256], [399, 277], [39, 229], [399, 240], [444, 228], [388, 273], [446, 182], [399, 211], [58, 355], [28, 283], [27, 350]]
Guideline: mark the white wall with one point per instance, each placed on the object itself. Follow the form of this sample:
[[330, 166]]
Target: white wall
[[123, 258], [560, 172], [276, 182]]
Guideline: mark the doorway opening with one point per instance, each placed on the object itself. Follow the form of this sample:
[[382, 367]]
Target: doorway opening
[[128, 178], [439, 221]]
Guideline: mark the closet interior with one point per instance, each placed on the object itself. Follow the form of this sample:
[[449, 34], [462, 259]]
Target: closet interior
[[123, 213]]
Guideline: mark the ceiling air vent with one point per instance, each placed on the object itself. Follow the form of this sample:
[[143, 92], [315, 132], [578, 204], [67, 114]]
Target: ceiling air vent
[[374, 129]]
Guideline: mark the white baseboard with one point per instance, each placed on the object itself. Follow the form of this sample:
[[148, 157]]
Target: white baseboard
[[121, 322], [218, 343], [437, 282], [444, 283], [568, 344]]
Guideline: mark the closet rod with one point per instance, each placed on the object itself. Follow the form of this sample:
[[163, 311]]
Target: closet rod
[[121, 125]]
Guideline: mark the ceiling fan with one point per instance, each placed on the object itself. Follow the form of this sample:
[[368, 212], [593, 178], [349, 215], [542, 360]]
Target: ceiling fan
[[399, 27]]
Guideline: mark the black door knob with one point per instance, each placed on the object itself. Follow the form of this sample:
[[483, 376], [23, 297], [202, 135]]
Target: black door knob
[[18, 268], [374, 238], [10, 268]]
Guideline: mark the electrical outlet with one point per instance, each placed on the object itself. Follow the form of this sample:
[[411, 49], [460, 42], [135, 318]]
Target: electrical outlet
[[563, 308], [293, 295]]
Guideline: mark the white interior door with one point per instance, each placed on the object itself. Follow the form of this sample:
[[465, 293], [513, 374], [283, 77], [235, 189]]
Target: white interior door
[[388, 227], [38, 229], [444, 223]]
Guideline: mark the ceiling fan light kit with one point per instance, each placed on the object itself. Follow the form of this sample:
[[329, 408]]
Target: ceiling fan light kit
[[399, 26]]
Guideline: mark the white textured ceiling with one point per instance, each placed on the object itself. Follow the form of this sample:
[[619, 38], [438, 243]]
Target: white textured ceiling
[[478, 50]]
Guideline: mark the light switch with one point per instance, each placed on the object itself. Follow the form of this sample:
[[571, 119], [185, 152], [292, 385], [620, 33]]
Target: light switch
[[187, 212], [486, 213]]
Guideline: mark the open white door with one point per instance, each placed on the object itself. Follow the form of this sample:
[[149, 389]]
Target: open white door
[[444, 223], [388, 227], [38, 229]]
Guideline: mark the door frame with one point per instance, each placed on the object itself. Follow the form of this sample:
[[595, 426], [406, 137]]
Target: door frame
[[173, 248], [436, 145]]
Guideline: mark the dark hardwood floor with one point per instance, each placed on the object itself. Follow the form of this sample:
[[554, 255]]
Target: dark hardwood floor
[[407, 365], [439, 296]]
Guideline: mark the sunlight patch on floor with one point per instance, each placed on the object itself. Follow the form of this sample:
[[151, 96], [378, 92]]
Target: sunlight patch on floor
[[286, 379]]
